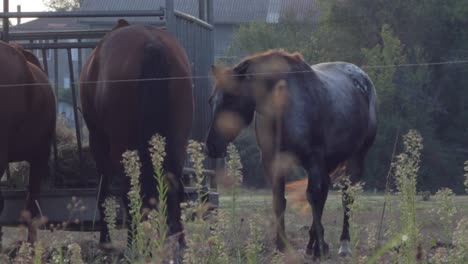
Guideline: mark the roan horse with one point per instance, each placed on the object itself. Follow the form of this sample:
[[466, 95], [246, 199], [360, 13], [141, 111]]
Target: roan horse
[[136, 83], [27, 118], [322, 116]]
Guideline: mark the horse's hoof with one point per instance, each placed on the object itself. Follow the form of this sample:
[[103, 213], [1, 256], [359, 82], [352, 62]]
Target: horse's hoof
[[313, 254], [345, 249], [309, 258], [106, 247], [281, 247]]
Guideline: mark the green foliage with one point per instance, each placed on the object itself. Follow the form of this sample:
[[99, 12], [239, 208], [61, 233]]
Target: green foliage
[[38, 252], [254, 248], [290, 34], [157, 218], [431, 99], [353, 192], [65, 95], [460, 240], [110, 215], [62, 5], [446, 211], [466, 176], [406, 171], [250, 156]]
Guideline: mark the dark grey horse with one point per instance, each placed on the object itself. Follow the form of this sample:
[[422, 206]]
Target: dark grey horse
[[323, 115]]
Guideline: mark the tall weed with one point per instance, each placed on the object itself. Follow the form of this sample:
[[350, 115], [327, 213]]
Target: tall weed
[[406, 171]]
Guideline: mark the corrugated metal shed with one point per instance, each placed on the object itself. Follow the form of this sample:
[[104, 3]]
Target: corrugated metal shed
[[225, 11]]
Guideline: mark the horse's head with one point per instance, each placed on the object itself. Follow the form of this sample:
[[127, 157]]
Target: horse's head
[[232, 109], [258, 83]]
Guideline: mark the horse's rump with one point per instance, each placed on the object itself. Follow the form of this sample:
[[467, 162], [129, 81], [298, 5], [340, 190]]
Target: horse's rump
[[135, 84], [28, 107]]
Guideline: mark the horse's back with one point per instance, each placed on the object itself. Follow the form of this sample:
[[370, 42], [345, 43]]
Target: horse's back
[[339, 73], [351, 116]]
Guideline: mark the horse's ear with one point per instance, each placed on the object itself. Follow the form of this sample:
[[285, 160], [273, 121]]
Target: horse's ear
[[121, 23], [225, 79], [242, 68], [215, 71], [297, 56]]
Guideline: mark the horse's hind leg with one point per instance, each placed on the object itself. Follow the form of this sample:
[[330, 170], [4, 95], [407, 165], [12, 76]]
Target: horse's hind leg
[[355, 167], [3, 167], [100, 151], [39, 170], [279, 201], [317, 193]]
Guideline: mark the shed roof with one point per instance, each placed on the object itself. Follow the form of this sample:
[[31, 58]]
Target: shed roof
[[225, 11], [49, 24]]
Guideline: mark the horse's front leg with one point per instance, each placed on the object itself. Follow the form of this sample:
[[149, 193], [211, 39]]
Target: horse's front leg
[[279, 206], [279, 201], [317, 193], [174, 198]]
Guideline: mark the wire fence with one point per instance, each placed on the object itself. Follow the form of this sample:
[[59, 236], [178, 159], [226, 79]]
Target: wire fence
[[453, 62]]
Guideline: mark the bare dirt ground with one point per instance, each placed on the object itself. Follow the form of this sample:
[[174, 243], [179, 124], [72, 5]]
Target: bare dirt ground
[[258, 204]]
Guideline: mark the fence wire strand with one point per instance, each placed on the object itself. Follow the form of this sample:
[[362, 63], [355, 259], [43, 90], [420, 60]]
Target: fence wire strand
[[238, 75]]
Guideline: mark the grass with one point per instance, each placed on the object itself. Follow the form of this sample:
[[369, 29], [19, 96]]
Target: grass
[[257, 204], [242, 230]]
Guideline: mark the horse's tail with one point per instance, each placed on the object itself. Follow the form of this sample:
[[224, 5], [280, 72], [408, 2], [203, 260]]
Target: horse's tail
[[30, 83], [372, 124], [153, 93], [372, 97]]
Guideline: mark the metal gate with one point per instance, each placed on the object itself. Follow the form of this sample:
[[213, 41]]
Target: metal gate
[[195, 35]]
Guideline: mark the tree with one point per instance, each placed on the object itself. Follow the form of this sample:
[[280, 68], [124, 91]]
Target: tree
[[62, 5], [289, 33], [432, 99]]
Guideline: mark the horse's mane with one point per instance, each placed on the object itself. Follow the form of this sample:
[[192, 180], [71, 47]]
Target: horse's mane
[[121, 23], [294, 59], [288, 63]]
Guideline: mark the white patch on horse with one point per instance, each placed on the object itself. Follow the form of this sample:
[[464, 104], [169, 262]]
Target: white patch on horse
[[345, 249], [358, 76]]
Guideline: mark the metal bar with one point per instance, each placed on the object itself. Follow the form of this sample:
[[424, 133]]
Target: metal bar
[[209, 12], [69, 34], [18, 19], [80, 56], [76, 14], [80, 67], [170, 17], [202, 9], [54, 143], [6, 21], [44, 61], [75, 113], [82, 45], [56, 84], [193, 19]]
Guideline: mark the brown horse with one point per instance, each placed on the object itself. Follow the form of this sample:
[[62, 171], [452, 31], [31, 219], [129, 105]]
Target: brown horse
[[27, 115], [123, 115], [322, 116]]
